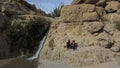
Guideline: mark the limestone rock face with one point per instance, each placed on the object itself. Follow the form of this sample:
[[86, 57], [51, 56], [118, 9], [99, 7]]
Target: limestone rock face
[[82, 12], [112, 6], [91, 23], [90, 47]]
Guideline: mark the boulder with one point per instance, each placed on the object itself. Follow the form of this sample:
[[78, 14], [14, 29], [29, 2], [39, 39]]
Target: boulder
[[115, 49], [95, 27], [105, 40], [112, 6]]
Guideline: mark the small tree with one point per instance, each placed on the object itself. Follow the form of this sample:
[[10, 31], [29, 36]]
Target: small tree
[[56, 12]]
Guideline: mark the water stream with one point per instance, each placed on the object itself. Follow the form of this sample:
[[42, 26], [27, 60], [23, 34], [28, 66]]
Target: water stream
[[22, 62], [39, 49]]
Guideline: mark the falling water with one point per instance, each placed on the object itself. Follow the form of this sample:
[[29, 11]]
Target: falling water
[[38, 51]]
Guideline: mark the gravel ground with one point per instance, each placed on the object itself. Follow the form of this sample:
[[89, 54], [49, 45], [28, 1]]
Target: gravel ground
[[22, 63], [54, 64]]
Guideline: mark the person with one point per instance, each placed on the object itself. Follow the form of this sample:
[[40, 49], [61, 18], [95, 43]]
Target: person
[[74, 45], [68, 44]]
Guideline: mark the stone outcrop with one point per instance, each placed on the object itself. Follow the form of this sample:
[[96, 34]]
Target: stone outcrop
[[95, 27], [91, 23], [82, 12], [14, 12]]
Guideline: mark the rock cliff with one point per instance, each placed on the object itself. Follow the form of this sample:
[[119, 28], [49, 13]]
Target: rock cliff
[[15, 12], [93, 25]]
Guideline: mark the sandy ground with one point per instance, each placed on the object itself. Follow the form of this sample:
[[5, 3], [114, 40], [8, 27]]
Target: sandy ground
[[54, 64]]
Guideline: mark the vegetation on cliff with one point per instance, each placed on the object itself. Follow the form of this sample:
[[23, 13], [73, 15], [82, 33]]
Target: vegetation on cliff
[[22, 27], [56, 12], [26, 39]]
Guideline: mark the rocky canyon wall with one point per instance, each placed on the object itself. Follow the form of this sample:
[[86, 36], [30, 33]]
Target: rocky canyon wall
[[92, 24]]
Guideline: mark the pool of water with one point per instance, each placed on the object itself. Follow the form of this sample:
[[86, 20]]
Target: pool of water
[[20, 63]]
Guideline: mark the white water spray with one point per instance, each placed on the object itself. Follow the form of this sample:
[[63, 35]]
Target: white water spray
[[39, 50]]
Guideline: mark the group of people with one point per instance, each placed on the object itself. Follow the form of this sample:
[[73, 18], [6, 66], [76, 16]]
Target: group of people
[[71, 45]]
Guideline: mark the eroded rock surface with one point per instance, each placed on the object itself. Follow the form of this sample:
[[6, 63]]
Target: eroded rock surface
[[91, 23]]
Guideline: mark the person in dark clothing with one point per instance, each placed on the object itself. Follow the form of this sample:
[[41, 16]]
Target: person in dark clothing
[[74, 45], [68, 44]]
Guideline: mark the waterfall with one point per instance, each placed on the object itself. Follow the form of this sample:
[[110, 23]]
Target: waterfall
[[39, 50]]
